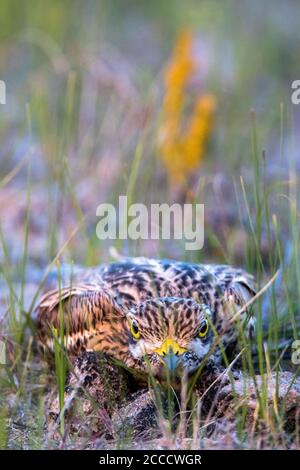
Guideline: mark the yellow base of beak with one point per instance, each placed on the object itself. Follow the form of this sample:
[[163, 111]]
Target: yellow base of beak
[[170, 346]]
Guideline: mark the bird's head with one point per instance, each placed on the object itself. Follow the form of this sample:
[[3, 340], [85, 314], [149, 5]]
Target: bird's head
[[169, 334]]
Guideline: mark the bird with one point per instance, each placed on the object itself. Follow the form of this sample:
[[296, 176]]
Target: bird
[[150, 315]]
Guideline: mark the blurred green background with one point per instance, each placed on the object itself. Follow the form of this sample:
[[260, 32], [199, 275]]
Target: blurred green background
[[85, 84], [86, 90]]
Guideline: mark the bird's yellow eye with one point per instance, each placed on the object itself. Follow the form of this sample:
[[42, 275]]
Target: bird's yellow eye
[[134, 330], [203, 330]]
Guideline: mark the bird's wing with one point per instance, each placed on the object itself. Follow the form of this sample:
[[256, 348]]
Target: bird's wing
[[109, 290], [221, 287], [138, 279], [237, 287], [79, 311], [234, 281]]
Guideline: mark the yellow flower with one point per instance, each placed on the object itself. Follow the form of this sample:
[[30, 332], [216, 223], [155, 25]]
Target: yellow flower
[[182, 151]]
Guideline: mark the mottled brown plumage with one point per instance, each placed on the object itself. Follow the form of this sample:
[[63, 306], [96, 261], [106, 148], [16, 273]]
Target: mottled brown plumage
[[147, 312]]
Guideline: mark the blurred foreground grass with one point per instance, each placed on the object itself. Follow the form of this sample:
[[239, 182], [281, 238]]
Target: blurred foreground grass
[[81, 126]]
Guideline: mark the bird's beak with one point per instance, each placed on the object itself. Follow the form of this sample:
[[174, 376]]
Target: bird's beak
[[170, 353]]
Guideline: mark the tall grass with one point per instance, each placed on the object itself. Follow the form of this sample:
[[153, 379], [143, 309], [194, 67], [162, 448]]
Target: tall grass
[[68, 139]]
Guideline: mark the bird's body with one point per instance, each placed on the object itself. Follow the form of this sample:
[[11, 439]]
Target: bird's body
[[148, 313]]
